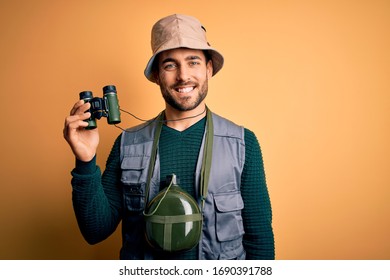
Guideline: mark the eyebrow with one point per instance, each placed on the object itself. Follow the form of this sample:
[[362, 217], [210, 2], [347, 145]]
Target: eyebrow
[[188, 58]]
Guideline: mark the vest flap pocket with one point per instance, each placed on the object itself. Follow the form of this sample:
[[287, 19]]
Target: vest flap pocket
[[228, 202], [134, 169], [229, 225], [137, 163]]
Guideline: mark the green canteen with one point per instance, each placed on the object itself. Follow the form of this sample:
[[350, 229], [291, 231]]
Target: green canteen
[[173, 221]]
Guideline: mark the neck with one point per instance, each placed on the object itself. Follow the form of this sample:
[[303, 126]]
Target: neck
[[181, 120]]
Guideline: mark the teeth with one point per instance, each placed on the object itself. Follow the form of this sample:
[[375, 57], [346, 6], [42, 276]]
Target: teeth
[[185, 90]]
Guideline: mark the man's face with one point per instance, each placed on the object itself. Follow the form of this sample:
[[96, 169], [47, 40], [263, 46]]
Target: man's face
[[183, 77]]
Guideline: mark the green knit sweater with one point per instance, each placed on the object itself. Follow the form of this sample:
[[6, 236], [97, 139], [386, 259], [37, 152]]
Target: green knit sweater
[[97, 199]]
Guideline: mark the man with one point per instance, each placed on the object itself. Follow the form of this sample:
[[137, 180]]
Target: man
[[218, 163]]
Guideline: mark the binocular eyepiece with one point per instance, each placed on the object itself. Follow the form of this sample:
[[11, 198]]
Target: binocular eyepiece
[[108, 106]]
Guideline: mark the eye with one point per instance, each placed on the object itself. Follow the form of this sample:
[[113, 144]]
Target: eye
[[194, 63], [169, 66]]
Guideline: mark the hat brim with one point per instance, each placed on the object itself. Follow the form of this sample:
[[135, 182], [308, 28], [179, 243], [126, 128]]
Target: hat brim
[[216, 58]]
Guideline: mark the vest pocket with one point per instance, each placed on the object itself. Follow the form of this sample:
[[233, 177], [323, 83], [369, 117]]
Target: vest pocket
[[229, 225], [134, 169], [134, 197], [134, 175]]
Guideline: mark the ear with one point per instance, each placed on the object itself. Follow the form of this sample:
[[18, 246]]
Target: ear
[[209, 69]]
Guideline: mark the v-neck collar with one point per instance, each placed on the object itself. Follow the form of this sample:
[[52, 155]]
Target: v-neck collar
[[201, 123]]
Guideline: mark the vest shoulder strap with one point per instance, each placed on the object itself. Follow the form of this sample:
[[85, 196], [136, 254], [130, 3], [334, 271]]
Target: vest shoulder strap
[[226, 128]]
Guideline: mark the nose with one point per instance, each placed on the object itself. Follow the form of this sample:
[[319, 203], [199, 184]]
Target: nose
[[183, 74]]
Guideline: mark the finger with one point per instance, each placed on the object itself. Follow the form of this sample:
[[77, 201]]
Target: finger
[[76, 106], [80, 107], [71, 127], [77, 124], [77, 117], [83, 108]]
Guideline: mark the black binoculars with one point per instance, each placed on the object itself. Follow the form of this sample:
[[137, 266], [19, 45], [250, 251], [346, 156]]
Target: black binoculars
[[108, 106]]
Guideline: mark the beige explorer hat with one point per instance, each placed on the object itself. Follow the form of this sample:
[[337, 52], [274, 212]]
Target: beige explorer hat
[[180, 31]]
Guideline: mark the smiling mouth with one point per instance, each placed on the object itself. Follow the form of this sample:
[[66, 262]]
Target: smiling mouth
[[185, 89]]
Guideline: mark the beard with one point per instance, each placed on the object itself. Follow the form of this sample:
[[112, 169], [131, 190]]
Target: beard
[[187, 103]]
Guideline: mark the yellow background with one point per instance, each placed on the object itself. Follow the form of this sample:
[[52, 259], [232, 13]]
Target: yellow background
[[310, 78]]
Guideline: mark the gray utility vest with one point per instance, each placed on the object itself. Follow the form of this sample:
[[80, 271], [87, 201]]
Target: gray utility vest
[[223, 228]]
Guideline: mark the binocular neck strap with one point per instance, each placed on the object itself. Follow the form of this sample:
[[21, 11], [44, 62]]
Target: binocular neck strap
[[206, 160]]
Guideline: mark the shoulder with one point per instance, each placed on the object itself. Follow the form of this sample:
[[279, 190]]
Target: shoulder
[[250, 136], [252, 146], [227, 128]]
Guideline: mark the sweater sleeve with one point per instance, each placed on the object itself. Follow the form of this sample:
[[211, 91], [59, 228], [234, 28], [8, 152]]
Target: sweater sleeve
[[97, 198], [257, 212]]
